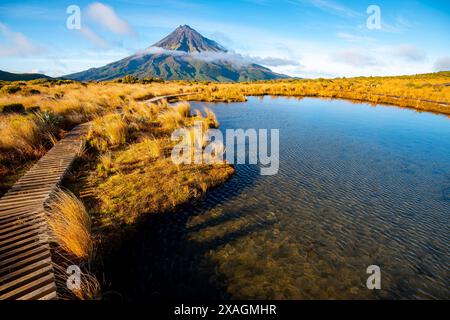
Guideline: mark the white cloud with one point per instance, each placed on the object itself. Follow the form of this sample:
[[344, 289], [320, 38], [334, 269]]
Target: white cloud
[[232, 57], [333, 7], [442, 64], [107, 17], [411, 53], [274, 61], [354, 57], [403, 22], [37, 71], [94, 38], [16, 44], [353, 38]]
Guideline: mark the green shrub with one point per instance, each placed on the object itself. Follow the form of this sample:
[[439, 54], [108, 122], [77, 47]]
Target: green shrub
[[13, 108], [11, 89], [130, 79]]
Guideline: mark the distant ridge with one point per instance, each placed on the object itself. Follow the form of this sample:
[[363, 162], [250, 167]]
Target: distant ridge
[[8, 76], [183, 55]]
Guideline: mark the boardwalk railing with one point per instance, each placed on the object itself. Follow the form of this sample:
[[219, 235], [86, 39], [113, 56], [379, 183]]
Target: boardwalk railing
[[26, 269]]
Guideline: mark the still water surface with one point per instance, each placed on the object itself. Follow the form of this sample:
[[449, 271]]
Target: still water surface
[[357, 186]]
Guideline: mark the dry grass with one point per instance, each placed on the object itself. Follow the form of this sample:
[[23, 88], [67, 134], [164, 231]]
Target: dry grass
[[144, 179], [69, 225], [171, 119], [183, 108], [108, 131], [428, 92], [105, 164], [90, 288], [211, 118], [159, 186], [148, 149], [20, 135]]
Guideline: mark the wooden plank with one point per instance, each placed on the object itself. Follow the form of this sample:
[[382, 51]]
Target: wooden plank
[[49, 296], [12, 214], [39, 272], [21, 225], [36, 286], [36, 238], [23, 255], [18, 249], [24, 262], [28, 268], [45, 290], [19, 237], [22, 219]]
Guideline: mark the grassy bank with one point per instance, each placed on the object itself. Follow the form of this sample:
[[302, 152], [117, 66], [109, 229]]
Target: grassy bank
[[429, 92], [133, 173]]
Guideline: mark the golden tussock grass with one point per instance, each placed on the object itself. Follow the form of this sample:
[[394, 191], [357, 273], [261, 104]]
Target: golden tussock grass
[[20, 134], [110, 130], [69, 225], [183, 108], [171, 119], [148, 149], [144, 179], [211, 118], [155, 187], [105, 164]]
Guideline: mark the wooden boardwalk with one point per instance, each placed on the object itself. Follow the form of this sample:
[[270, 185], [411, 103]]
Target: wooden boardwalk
[[26, 270]]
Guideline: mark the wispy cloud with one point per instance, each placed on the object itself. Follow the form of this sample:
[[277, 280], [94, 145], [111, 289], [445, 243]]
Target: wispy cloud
[[97, 40], [16, 44], [350, 37], [442, 64], [411, 53], [355, 57], [107, 17], [333, 7], [400, 24]]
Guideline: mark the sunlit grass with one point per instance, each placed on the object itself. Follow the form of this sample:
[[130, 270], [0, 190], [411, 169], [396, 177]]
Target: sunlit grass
[[108, 131], [69, 225]]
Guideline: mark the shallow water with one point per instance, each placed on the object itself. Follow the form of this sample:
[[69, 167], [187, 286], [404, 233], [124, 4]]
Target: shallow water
[[358, 185]]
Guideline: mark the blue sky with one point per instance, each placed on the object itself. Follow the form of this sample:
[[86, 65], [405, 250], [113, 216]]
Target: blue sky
[[306, 38]]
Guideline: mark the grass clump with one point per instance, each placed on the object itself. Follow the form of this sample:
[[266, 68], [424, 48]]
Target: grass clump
[[11, 89], [90, 288], [183, 108], [211, 118], [148, 150], [20, 136], [143, 179], [171, 119], [155, 187], [69, 225], [108, 131]]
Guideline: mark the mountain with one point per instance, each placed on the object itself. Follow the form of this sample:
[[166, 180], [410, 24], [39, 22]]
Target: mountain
[[8, 76], [186, 39], [183, 55]]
